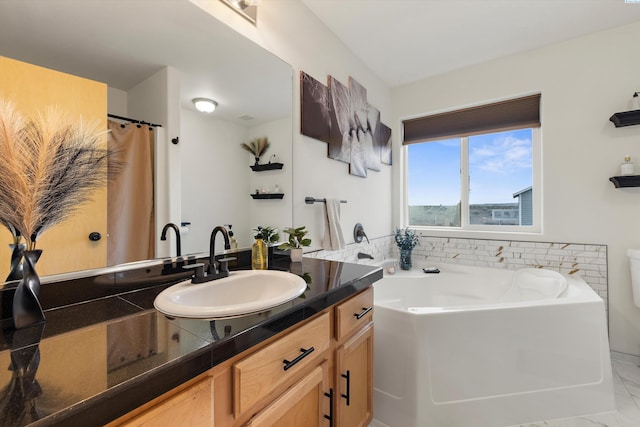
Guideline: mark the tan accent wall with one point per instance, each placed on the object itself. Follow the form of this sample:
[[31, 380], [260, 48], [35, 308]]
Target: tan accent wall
[[66, 247]]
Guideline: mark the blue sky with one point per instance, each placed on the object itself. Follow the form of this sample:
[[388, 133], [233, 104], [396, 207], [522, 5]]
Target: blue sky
[[499, 165]]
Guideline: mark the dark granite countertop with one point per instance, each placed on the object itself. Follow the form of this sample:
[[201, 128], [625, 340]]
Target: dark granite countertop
[[97, 359]]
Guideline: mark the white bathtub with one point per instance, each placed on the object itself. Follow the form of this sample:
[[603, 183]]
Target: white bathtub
[[467, 348]]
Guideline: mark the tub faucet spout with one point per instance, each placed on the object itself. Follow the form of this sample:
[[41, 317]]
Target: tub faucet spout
[[362, 255]]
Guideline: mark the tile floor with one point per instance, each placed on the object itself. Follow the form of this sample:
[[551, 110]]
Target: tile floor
[[626, 381]]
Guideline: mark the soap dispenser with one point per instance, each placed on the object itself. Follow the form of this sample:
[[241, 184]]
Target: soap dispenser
[[232, 239], [259, 255]]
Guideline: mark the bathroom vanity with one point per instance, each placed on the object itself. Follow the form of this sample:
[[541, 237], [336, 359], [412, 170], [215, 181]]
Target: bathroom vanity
[[115, 360], [315, 371]]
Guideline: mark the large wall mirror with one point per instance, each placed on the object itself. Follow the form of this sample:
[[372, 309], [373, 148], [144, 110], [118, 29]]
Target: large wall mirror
[[155, 57]]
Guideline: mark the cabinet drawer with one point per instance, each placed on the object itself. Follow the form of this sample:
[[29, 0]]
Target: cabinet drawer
[[353, 314], [257, 375]]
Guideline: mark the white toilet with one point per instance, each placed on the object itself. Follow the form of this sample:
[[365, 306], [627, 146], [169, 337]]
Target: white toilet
[[634, 261]]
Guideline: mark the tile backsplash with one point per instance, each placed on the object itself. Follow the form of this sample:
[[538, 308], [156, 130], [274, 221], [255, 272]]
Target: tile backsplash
[[586, 260], [379, 248]]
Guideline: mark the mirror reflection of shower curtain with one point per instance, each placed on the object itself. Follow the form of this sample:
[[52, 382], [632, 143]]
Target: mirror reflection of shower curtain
[[130, 223]]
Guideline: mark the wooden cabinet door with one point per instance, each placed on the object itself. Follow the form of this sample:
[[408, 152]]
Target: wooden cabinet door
[[354, 380], [301, 405]]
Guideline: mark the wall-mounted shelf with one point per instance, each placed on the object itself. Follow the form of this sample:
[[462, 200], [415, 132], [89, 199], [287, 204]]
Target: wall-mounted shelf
[[626, 118], [268, 196], [626, 181], [266, 167]]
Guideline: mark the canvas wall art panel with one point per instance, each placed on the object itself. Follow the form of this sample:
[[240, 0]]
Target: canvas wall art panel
[[314, 108], [383, 140], [341, 116], [373, 150], [341, 121]]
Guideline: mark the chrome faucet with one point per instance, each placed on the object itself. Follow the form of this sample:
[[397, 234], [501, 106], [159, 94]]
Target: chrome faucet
[[213, 264], [175, 228]]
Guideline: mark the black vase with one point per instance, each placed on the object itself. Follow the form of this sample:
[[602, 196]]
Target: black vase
[[18, 403], [27, 310], [15, 272]]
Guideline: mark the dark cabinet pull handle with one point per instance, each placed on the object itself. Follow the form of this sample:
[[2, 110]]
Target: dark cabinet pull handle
[[330, 416], [363, 313], [347, 376], [289, 364]]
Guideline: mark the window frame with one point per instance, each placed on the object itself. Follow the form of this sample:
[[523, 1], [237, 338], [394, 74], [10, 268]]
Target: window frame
[[536, 169]]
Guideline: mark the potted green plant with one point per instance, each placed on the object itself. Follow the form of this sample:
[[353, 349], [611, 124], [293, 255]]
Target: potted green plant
[[295, 242], [406, 239]]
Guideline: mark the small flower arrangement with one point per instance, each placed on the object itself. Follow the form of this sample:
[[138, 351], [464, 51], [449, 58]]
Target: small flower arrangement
[[296, 238], [257, 147], [269, 234], [406, 239]]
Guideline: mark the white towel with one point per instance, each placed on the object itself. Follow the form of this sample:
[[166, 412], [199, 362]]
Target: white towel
[[333, 238]]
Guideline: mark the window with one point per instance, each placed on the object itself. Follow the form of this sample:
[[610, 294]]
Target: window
[[483, 180]]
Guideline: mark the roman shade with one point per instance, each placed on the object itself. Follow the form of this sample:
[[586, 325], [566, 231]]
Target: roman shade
[[500, 116]]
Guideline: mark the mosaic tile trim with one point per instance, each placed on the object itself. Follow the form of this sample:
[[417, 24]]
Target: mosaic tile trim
[[380, 248]]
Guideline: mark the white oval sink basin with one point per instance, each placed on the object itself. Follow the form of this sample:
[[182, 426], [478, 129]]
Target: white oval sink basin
[[243, 292]]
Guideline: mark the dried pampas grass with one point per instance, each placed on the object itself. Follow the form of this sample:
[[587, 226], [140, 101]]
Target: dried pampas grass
[[257, 147], [51, 165]]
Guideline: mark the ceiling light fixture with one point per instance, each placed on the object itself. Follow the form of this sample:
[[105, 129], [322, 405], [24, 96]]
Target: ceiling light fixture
[[246, 8], [205, 105], [243, 4]]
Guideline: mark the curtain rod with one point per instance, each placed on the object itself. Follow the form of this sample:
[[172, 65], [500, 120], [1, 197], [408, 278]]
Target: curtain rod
[[140, 122]]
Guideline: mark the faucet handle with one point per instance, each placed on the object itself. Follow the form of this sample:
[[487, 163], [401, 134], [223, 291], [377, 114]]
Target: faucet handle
[[198, 269], [224, 264], [358, 233]]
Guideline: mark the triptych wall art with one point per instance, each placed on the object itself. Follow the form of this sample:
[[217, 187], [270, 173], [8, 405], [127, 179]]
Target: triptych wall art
[[342, 117]]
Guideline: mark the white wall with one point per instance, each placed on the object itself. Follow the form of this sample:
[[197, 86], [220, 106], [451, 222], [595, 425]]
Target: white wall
[[116, 102], [213, 178], [583, 82], [268, 212], [290, 31], [157, 100]]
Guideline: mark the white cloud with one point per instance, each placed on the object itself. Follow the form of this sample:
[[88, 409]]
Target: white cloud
[[505, 154], [455, 142]]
